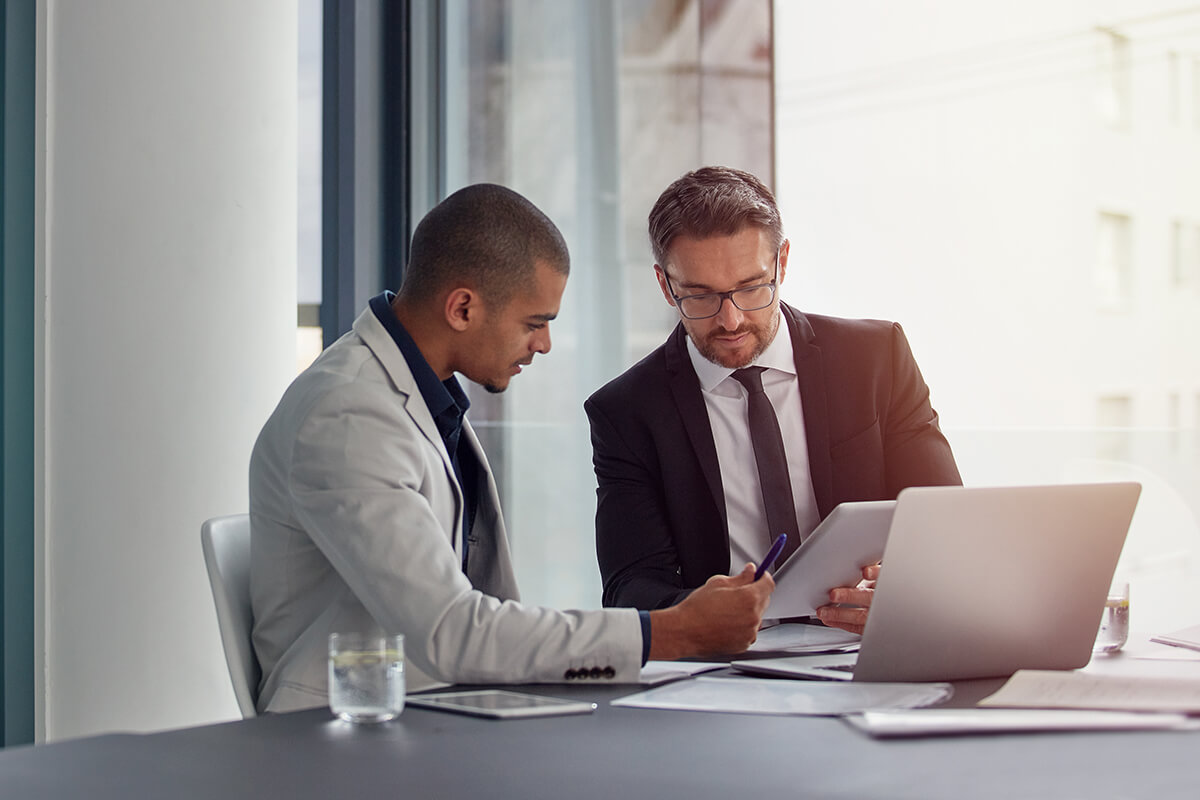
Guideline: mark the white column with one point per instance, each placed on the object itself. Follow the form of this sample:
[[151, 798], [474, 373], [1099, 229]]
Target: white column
[[170, 277]]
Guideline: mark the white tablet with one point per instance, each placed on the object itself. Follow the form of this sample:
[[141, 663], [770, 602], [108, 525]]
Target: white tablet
[[500, 704], [851, 537]]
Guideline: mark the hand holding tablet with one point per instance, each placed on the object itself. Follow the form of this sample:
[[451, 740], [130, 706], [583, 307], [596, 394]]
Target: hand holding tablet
[[850, 538]]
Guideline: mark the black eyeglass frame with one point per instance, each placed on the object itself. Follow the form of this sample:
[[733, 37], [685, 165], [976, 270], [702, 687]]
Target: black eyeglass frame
[[773, 284]]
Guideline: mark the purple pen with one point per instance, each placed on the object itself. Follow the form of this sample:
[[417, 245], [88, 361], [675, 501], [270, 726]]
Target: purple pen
[[772, 554]]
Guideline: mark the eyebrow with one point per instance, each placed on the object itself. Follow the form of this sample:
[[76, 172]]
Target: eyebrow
[[757, 279]]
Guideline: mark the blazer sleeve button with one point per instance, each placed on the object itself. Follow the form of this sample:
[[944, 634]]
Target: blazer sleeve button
[[569, 674], [610, 673], [597, 673]]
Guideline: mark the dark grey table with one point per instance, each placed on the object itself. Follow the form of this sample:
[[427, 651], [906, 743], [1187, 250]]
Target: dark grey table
[[615, 753]]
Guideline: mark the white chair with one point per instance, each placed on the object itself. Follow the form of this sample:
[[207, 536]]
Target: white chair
[[226, 543]]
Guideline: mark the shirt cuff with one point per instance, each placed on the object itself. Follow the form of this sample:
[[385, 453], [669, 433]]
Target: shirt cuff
[[644, 616]]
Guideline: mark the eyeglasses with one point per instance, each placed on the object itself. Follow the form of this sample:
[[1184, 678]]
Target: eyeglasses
[[748, 298]]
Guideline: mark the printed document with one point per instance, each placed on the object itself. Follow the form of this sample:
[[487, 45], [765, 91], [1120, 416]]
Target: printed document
[[1188, 637], [960, 721], [797, 638], [766, 696], [1063, 689]]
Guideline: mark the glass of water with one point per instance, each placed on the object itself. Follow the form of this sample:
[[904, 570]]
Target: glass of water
[[366, 676], [1114, 625]]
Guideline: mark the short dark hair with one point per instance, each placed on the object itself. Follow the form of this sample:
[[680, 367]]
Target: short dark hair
[[487, 236], [712, 201]]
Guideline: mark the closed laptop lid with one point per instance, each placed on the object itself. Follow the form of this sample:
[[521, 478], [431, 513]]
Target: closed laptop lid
[[981, 582]]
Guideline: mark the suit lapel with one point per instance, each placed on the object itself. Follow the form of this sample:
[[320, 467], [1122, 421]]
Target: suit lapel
[[689, 398], [810, 376], [489, 566], [381, 344]]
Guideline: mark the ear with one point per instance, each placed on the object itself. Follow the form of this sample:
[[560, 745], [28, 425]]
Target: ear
[[462, 308], [661, 274], [784, 249]]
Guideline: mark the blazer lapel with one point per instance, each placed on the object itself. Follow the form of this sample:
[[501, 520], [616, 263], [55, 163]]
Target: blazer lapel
[[685, 389], [811, 378], [489, 566], [380, 342]]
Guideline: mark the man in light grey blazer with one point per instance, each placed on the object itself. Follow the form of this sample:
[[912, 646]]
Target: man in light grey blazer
[[372, 506]]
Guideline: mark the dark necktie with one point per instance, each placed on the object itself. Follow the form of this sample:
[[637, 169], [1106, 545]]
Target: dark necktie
[[772, 462]]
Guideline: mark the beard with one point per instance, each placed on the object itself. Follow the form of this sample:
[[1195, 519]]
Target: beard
[[762, 335]]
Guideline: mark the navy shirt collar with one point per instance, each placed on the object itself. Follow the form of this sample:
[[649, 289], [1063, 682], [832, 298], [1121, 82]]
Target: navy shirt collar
[[446, 400]]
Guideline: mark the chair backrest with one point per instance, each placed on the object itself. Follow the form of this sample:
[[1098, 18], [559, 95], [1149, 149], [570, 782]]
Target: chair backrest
[[226, 543]]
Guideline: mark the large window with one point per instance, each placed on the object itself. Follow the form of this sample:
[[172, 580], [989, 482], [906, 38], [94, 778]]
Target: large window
[[591, 109], [1011, 187]]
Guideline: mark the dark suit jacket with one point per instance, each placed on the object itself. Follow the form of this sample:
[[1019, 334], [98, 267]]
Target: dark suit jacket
[[661, 527]]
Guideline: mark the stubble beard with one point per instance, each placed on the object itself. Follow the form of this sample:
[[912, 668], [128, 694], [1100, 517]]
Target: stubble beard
[[763, 336]]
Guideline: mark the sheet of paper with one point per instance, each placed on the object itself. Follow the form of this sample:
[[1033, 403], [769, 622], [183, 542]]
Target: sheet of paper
[[656, 672], [799, 638], [1188, 637], [1168, 654], [806, 698], [959, 721], [1063, 689]]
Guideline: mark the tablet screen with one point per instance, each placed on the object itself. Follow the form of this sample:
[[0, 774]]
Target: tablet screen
[[498, 703]]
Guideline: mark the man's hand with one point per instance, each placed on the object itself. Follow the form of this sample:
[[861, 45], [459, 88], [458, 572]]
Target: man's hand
[[722, 616], [853, 603]]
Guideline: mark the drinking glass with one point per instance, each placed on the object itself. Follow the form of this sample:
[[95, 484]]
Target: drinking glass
[[1114, 624], [366, 676]]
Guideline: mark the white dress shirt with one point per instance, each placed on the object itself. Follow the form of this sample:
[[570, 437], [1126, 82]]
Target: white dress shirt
[[726, 401]]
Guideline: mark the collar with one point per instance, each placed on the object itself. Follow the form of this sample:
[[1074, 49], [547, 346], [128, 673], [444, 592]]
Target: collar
[[777, 356], [446, 400]]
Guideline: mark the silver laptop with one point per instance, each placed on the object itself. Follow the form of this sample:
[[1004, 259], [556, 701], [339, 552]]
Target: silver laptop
[[981, 582]]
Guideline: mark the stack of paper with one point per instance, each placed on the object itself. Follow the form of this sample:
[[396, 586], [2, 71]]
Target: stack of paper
[[765, 696], [799, 638], [1060, 689], [960, 721], [1052, 700], [1188, 637]]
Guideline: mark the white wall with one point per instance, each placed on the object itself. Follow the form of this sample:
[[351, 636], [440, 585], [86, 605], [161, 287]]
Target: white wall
[[169, 271], [944, 164]]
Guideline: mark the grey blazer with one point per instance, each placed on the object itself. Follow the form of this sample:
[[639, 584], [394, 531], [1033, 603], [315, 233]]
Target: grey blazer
[[355, 525]]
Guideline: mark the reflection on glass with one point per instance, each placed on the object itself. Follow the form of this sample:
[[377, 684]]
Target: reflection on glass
[[948, 169], [956, 177], [591, 110]]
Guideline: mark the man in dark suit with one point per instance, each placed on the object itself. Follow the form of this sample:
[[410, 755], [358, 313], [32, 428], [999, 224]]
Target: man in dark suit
[[683, 490]]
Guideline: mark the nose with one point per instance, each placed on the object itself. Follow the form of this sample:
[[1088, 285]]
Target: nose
[[541, 342], [730, 316]]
